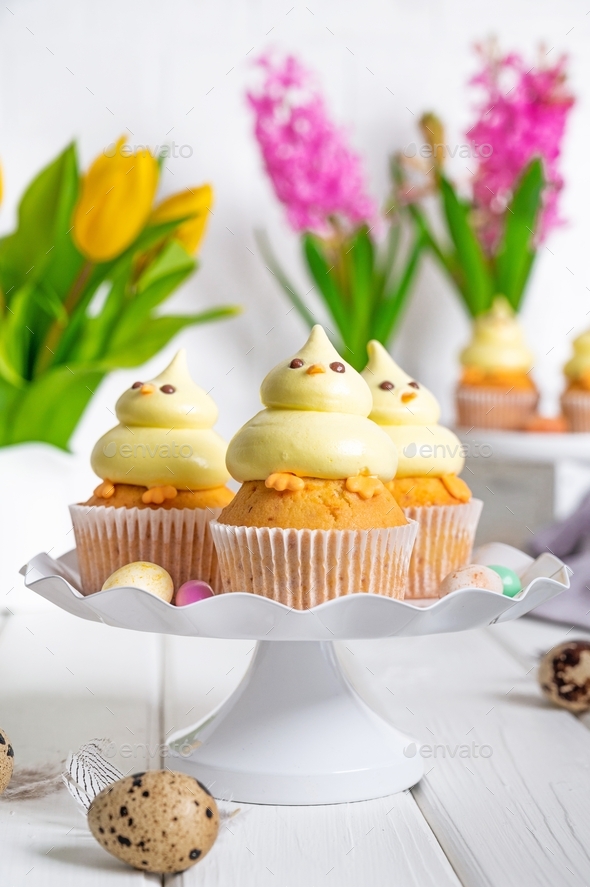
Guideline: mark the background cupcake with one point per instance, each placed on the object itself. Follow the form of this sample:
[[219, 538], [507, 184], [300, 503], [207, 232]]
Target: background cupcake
[[313, 519], [426, 484], [163, 479], [575, 400], [496, 389]]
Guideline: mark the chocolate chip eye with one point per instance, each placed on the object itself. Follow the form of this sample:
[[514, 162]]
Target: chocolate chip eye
[[387, 386], [413, 384], [137, 384], [168, 389], [338, 367], [296, 363]]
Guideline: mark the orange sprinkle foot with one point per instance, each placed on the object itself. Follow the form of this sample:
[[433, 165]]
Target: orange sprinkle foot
[[157, 495], [365, 486], [457, 487], [283, 480], [105, 490]]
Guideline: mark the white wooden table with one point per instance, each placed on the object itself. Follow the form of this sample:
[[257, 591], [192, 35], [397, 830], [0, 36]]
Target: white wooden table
[[505, 800]]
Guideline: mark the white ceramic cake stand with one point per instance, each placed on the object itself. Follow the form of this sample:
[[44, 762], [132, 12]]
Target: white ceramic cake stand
[[295, 731]]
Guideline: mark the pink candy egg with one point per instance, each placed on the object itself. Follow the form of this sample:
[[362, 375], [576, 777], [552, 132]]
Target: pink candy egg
[[192, 591]]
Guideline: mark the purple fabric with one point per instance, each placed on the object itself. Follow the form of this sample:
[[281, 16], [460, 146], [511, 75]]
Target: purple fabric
[[569, 540]]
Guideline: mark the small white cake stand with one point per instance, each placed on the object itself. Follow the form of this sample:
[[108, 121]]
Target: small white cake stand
[[295, 731]]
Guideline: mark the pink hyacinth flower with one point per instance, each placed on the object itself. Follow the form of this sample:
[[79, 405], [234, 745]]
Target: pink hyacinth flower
[[314, 172], [522, 116]]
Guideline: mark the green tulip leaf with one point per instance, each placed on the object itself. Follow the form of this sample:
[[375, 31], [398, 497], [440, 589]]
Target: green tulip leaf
[[152, 335], [44, 218]]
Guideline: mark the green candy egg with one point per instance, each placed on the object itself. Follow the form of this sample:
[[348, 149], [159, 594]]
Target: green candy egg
[[512, 584]]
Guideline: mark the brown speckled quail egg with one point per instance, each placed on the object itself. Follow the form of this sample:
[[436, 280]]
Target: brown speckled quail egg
[[564, 675], [6, 761], [159, 821], [143, 574]]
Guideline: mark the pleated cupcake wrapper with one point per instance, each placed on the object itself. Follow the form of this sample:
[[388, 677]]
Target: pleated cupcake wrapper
[[444, 542], [488, 408], [576, 409], [178, 539], [303, 568]]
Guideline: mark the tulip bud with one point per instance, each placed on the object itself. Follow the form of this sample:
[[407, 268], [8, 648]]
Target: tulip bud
[[434, 134], [115, 202], [194, 203]]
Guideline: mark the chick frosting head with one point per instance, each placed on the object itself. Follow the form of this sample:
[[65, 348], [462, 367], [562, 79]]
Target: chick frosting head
[[409, 413], [315, 423], [498, 341], [577, 369], [165, 435]]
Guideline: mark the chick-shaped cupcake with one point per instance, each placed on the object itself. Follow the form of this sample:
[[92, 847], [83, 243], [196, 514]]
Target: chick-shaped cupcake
[[312, 466], [426, 485], [163, 479], [496, 389], [314, 427], [164, 442], [430, 455], [575, 400]]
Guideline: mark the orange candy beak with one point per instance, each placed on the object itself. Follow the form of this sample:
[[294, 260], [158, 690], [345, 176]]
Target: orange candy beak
[[314, 369], [147, 389], [408, 396]]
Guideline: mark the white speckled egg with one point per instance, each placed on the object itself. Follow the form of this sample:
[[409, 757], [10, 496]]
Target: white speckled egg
[[142, 574], [471, 576], [159, 821], [6, 761]]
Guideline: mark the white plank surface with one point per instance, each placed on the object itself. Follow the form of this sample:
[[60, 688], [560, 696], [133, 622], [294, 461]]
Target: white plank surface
[[380, 843], [64, 682], [520, 815]]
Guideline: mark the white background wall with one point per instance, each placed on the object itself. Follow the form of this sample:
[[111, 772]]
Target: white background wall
[[178, 71]]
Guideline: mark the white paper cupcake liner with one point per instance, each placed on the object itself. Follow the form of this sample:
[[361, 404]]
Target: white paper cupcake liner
[[444, 543], [575, 406], [178, 539], [494, 408], [303, 568]]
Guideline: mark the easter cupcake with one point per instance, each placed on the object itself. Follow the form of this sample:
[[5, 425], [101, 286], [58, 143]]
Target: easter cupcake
[[575, 400], [313, 519], [496, 389], [163, 480], [426, 484]]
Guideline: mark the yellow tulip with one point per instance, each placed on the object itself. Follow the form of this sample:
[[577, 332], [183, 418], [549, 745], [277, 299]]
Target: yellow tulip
[[194, 202], [115, 202]]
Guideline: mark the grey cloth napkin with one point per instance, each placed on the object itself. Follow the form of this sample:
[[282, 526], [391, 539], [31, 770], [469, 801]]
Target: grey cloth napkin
[[569, 540]]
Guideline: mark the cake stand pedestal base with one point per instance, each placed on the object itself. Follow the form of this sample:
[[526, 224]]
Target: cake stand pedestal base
[[296, 732]]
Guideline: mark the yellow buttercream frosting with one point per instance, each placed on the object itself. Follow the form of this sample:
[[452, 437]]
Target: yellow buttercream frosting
[[165, 435], [577, 369], [315, 423], [498, 341], [408, 412]]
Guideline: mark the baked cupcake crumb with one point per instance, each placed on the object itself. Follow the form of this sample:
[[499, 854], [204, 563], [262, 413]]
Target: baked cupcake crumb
[[321, 505]]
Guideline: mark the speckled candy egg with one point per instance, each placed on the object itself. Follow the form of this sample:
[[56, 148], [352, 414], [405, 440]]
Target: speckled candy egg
[[143, 574], [564, 675], [471, 576], [159, 821], [6, 761]]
